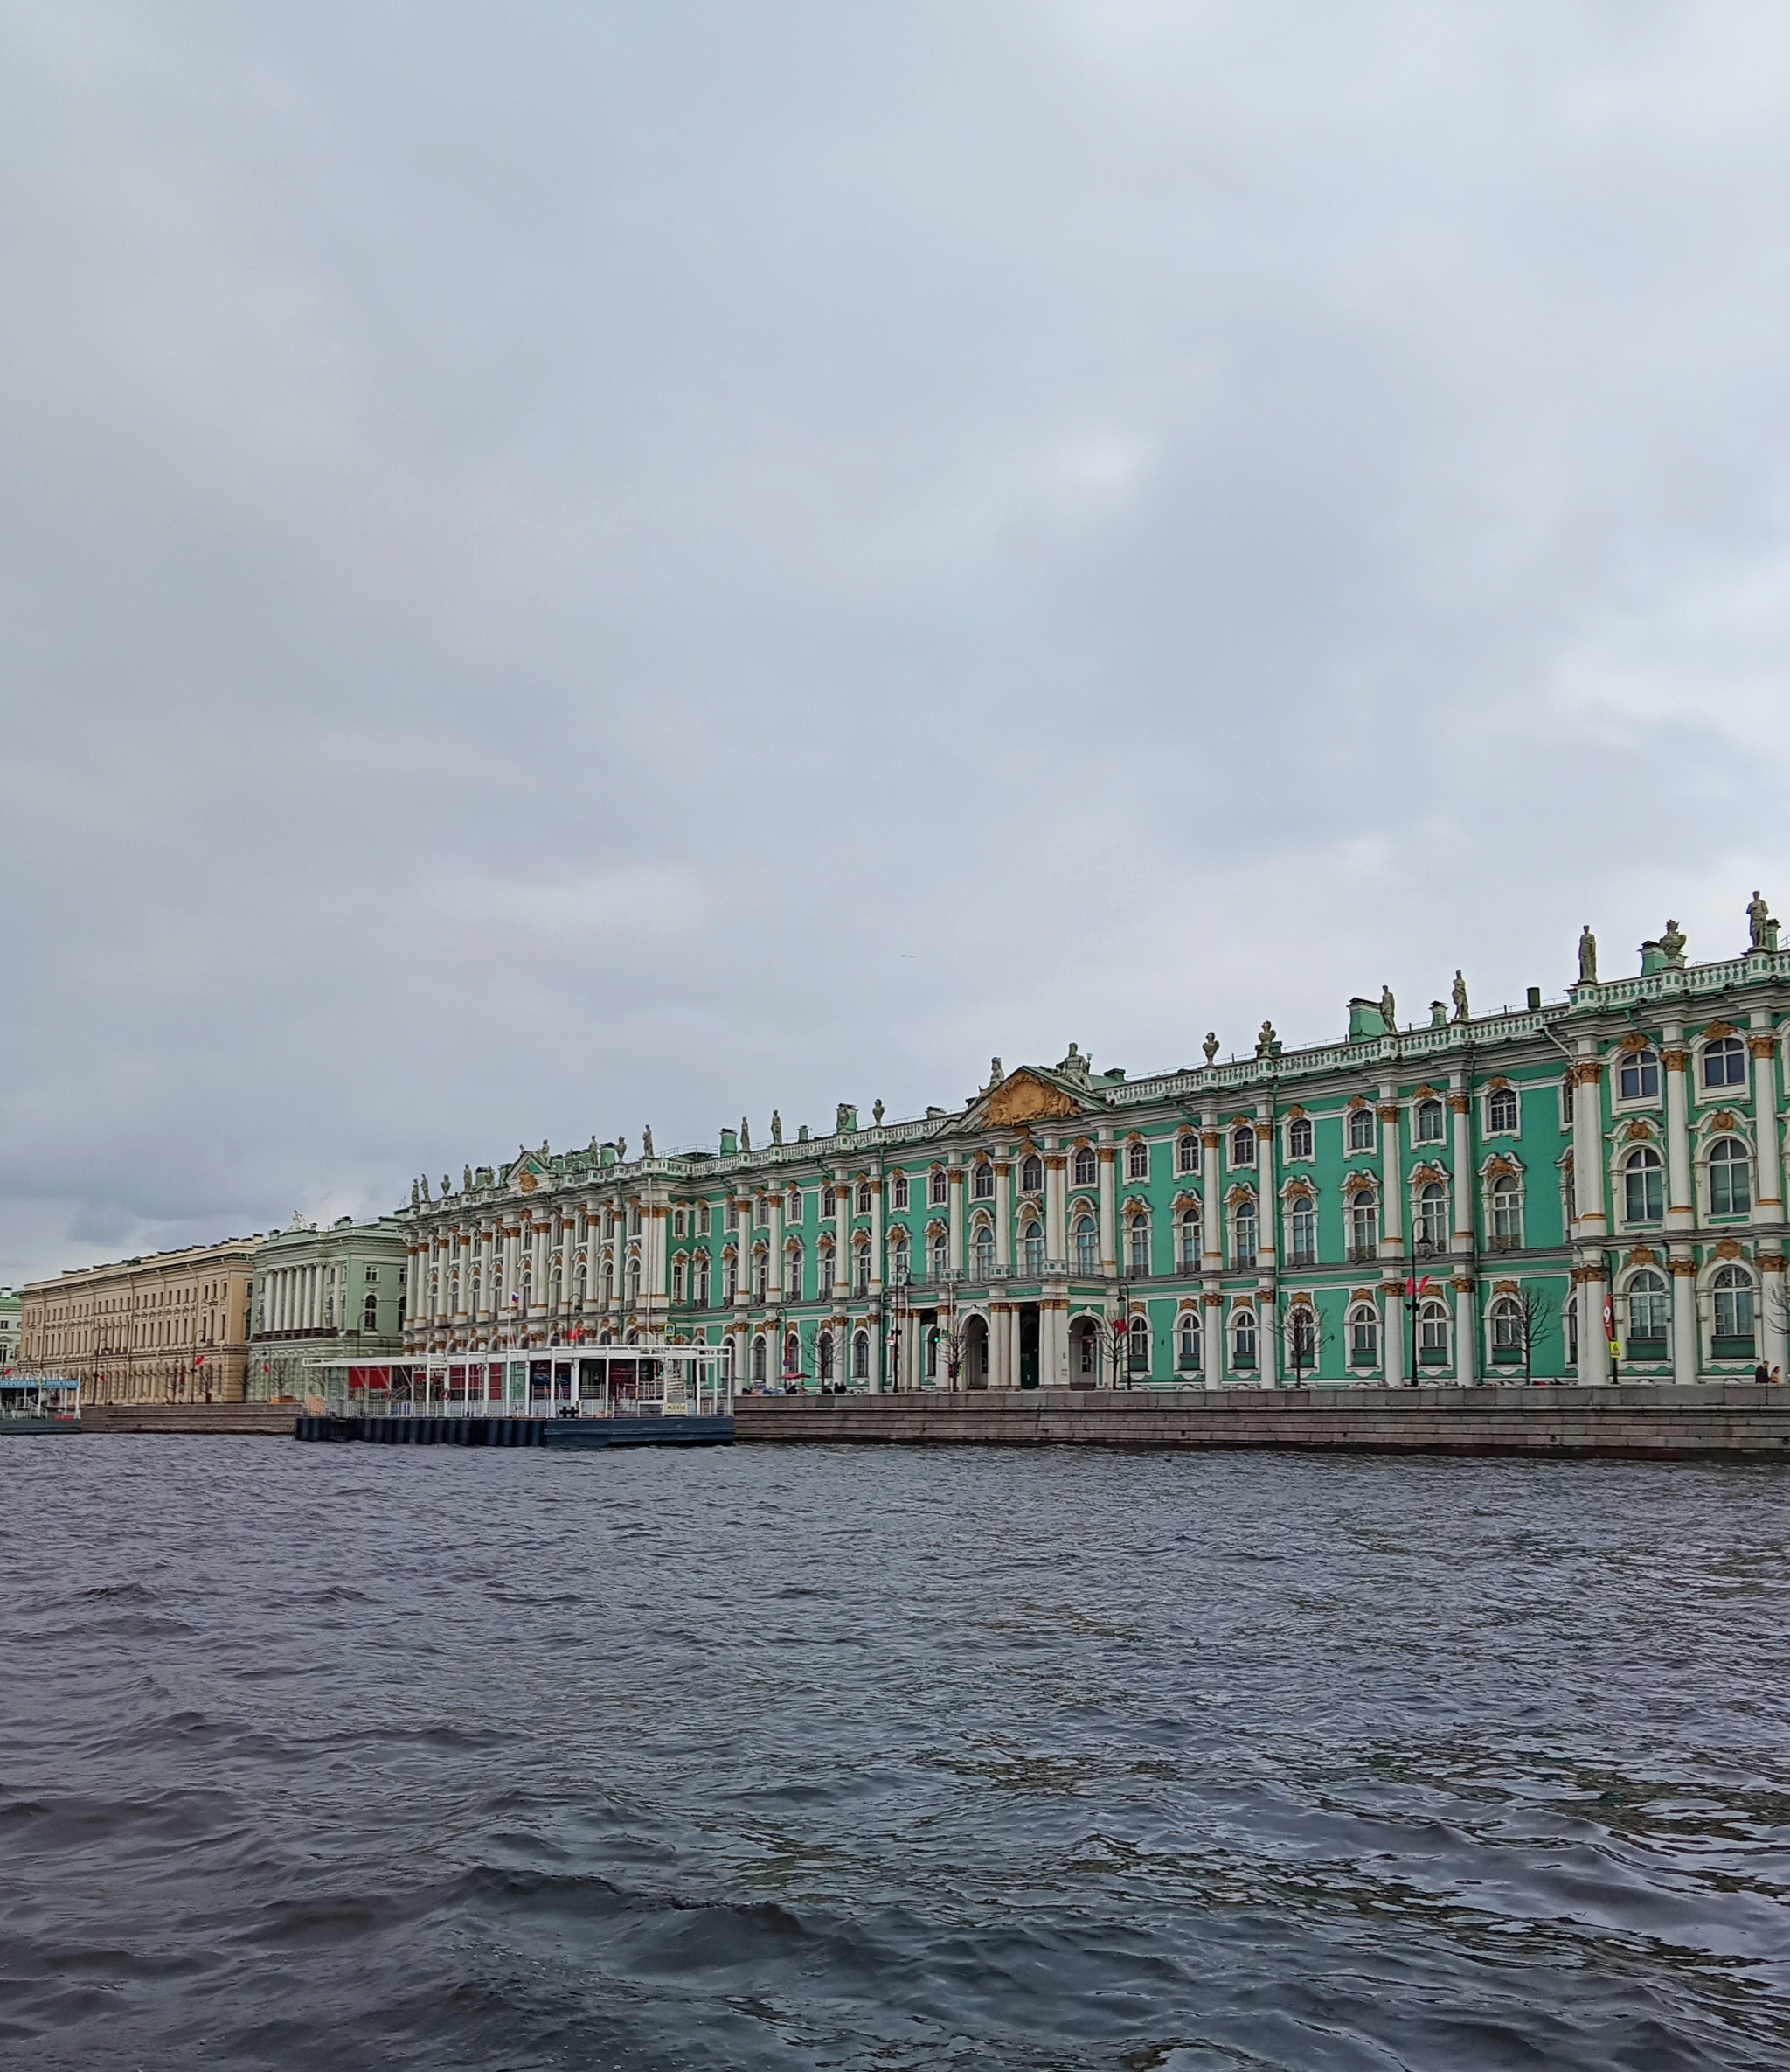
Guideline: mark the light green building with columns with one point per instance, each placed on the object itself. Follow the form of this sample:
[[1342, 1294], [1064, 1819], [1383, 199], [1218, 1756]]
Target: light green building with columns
[[1588, 1187]]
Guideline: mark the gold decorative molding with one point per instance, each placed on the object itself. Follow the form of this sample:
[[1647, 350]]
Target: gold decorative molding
[[1460, 1104], [1676, 1059], [1731, 1248], [1634, 1040], [1023, 1097], [1496, 1083], [1643, 1256], [1724, 1118], [1763, 1047], [1637, 1133], [1717, 1031], [1505, 1287], [1389, 1112]]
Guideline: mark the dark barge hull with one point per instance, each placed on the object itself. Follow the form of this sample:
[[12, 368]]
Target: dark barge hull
[[578, 1434]]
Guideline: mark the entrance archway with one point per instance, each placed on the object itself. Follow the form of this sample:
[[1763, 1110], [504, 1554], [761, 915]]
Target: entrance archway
[[975, 1352], [1085, 1353]]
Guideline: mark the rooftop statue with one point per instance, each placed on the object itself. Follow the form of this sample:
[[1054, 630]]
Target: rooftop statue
[[426, 1186], [466, 1182], [1672, 942], [1264, 1040], [1210, 1045], [776, 1127], [621, 1151], [1388, 1011], [745, 1134], [996, 1075], [646, 1140], [415, 1194], [877, 1114], [1460, 1013], [445, 1189], [1587, 956], [1761, 929]]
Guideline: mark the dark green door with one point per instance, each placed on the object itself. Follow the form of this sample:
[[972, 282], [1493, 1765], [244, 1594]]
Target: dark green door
[[1029, 1345]]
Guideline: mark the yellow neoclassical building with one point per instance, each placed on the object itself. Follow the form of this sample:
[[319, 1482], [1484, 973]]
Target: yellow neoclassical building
[[171, 1327]]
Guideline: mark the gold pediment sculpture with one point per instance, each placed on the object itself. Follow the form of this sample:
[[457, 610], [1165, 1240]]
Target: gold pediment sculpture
[[1021, 1096]]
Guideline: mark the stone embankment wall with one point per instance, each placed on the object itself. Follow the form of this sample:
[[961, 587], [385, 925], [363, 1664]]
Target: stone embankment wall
[[258, 1420], [1738, 1421]]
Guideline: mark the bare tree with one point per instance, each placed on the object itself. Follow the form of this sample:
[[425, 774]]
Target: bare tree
[[1304, 1332], [1534, 1312]]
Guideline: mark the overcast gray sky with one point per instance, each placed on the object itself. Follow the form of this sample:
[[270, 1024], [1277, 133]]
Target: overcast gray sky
[[569, 566]]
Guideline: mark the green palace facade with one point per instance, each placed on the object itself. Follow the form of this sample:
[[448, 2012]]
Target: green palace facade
[[1590, 1188]]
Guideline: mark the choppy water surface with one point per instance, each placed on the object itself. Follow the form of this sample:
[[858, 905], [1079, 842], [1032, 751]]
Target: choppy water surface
[[334, 1757]]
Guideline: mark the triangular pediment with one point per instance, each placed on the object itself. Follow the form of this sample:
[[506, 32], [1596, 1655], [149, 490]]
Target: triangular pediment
[[1026, 1095], [526, 1174]]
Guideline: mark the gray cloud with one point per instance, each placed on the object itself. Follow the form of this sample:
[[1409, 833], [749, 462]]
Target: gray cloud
[[562, 567]]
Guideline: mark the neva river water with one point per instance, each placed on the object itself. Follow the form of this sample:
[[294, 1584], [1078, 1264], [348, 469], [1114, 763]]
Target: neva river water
[[320, 1756]]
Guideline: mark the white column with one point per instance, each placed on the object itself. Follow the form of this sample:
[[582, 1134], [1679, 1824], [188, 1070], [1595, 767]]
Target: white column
[[1212, 1209], [875, 1246], [1686, 1350], [1267, 1224], [1465, 1332], [1393, 1329], [842, 1239], [1392, 1180], [1108, 1156], [1681, 1212], [1461, 1109], [1771, 1307], [1053, 1343], [1590, 1230], [1055, 1241], [955, 1213], [1769, 1208], [1267, 1336], [776, 1213], [1003, 1210], [1212, 1330]]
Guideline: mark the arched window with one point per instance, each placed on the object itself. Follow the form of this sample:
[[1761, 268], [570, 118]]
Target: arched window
[[929, 1353], [1299, 1137], [760, 1275], [1137, 1160], [1431, 1214], [1364, 1336], [1304, 1221], [1361, 1128], [1087, 1169], [1724, 1063], [1140, 1246], [1191, 1247], [940, 1188], [1433, 1334], [632, 1280], [864, 1197], [792, 1274], [982, 1245], [1243, 1222], [981, 1181], [900, 1192], [792, 1357], [1187, 1330], [701, 1282], [1087, 1246], [1648, 1312], [1032, 1247], [369, 1313], [1638, 1077], [730, 1280], [1187, 1152], [1364, 1223], [1031, 1175], [1507, 1213], [824, 1272], [1507, 1328], [897, 1262], [826, 1204], [860, 1357], [758, 1360], [824, 1355], [1501, 1109], [1429, 1122], [1243, 1339], [1731, 1182], [941, 1256], [1642, 1183], [1243, 1145], [727, 1358], [1138, 1357], [1733, 1287], [861, 1269]]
